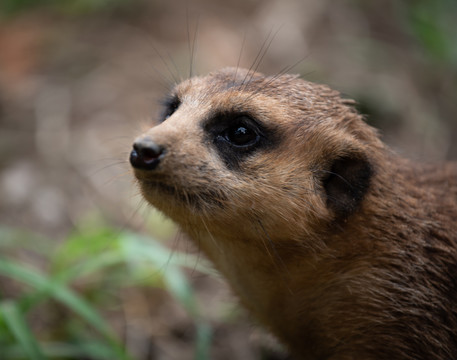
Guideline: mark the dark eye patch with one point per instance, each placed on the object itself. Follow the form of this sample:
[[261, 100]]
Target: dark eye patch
[[237, 136], [169, 105]]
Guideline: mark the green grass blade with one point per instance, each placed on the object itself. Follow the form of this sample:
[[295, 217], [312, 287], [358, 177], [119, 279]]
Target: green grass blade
[[40, 282], [98, 263], [13, 238], [156, 256], [19, 328], [179, 287], [55, 350], [60, 292], [90, 266], [142, 251], [145, 248], [203, 343]]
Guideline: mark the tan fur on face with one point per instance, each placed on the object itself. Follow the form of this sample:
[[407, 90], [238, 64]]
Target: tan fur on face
[[370, 275]]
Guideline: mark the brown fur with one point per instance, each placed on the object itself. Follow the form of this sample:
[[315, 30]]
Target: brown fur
[[333, 274]]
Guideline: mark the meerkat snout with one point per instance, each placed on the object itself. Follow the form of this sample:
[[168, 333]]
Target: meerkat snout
[[146, 154]]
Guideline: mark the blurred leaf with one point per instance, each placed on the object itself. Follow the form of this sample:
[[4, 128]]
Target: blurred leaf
[[18, 326], [38, 281], [433, 23], [203, 343], [98, 250], [139, 248], [11, 238], [97, 263], [91, 349], [84, 244], [12, 7], [181, 289], [139, 253], [87, 6]]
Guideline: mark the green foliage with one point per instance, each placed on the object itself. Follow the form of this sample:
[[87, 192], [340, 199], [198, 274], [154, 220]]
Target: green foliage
[[92, 258], [11, 7], [14, 319], [433, 24]]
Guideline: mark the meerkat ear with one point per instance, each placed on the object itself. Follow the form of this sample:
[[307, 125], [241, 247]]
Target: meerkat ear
[[346, 183]]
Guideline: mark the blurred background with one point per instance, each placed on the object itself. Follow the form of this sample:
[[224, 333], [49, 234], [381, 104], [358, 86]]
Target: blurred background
[[87, 270]]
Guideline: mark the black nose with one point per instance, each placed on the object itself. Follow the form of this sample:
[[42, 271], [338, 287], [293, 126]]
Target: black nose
[[146, 154]]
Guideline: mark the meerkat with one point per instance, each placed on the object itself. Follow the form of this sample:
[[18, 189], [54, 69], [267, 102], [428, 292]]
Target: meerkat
[[338, 246]]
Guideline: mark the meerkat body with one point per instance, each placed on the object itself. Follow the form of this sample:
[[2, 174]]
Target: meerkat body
[[339, 247]]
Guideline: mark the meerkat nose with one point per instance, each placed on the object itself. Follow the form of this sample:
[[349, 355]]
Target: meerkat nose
[[146, 154]]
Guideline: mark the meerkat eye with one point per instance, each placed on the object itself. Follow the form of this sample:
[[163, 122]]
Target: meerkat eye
[[241, 135], [171, 104], [238, 136]]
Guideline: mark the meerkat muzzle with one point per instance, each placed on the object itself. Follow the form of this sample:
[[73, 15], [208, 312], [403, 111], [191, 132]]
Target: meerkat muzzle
[[146, 154]]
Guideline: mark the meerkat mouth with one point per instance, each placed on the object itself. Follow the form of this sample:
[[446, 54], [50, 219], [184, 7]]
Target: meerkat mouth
[[194, 198]]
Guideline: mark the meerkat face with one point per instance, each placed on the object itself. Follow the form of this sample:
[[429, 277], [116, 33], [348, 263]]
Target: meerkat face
[[236, 146]]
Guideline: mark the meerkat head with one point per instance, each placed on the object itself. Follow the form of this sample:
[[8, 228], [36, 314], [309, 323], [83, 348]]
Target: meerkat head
[[236, 148]]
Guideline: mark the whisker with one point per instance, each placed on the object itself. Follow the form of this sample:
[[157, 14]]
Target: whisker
[[108, 166], [178, 74], [197, 259], [169, 258], [216, 244], [241, 87], [337, 175], [264, 53], [162, 80], [272, 79], [128, 221], [194, 41], [116, 177], [239, 59], [162, 59], [168, 83], [165, 82]]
